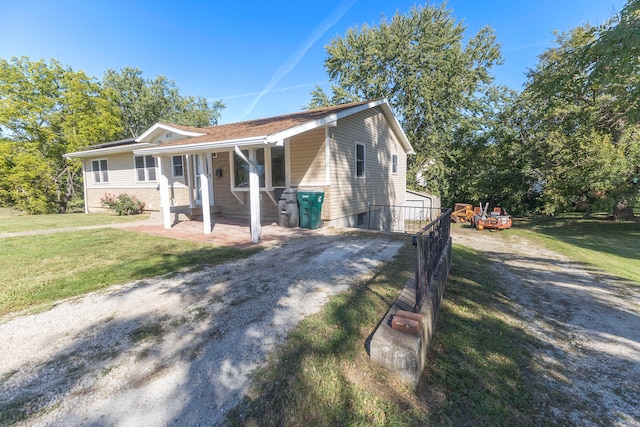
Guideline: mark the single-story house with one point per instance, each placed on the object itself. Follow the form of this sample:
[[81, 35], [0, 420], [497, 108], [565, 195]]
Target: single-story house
[[355, 153]]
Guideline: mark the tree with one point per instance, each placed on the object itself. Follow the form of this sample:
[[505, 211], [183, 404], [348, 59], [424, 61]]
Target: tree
[[583, 97], [47, 110], [496, 165], [434, 82], [143, 102]]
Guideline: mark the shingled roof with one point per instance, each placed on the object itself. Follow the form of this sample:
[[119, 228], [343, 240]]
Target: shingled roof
[[261, 128], [269, 129]]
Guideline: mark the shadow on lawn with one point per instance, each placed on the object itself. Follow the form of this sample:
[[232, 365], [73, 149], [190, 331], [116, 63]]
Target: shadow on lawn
[[610, 237], [185, 367], [481, 369], [490, 371]]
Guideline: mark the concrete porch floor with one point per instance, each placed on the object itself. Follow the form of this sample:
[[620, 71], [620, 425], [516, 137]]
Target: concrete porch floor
[[227, 231]]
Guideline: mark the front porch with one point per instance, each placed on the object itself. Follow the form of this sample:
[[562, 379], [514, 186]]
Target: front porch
[[227, 231]]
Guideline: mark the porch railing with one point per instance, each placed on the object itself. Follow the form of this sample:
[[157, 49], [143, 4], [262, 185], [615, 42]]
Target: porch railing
[[430, 243]]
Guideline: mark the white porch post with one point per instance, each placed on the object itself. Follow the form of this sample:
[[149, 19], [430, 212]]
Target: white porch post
[[204, 180], [165, 204], [254, 197]]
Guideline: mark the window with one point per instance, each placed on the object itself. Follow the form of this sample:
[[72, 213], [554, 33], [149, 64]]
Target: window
[[278, 174], [177, 164], [100, 170], [259, 159], [145, 168], [360, 166], [394, 164], [360, 220], [241, 168]]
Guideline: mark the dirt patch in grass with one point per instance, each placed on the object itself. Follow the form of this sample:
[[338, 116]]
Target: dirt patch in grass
[[585, 363]]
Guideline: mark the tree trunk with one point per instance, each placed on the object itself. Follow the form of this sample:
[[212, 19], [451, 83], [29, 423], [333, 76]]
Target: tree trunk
[[622, 211]]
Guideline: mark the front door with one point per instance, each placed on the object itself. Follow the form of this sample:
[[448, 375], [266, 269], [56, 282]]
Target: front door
[[197, 178]]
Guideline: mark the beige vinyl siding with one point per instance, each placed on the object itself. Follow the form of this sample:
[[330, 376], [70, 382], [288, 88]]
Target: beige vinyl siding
[[351, 195], [122, 173], [122, 179], [308, 160]]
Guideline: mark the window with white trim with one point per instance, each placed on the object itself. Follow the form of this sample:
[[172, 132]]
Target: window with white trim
[[360, 163], [100, 171], [145, 168], [394, 164], [241, 168], [278, 169], [177, 165]]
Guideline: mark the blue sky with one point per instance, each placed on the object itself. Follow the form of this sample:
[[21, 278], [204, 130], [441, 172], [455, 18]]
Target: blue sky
[[260, 58]]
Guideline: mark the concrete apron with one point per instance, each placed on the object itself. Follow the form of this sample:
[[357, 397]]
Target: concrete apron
[[404, 352]]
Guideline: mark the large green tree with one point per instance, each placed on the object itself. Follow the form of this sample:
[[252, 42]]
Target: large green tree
[[47, 110], [143, 102], [583, 103], [434, 77], [496, 165]]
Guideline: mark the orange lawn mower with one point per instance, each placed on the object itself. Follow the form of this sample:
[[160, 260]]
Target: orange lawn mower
[[498, 219]]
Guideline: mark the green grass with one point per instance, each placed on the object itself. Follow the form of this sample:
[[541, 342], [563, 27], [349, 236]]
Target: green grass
[[323, 375], [12, 221], [39, 270], [613, 247], [476, 371]]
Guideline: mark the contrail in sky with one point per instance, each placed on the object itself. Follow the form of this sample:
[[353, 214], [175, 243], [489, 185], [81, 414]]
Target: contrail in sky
[[282, 89], [293, 60]]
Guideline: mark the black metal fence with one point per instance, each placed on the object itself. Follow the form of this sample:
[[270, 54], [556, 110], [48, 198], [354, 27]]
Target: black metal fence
[[403, 219], [430, 243]]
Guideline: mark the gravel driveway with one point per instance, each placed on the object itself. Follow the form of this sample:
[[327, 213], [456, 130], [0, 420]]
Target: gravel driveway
[[177, 349], [584, 323]]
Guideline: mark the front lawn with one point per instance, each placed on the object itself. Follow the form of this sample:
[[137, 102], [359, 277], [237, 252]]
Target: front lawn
[[41, 269], [613, 247], [12, 221]]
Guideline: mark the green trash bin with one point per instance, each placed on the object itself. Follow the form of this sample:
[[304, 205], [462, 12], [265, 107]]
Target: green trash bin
[[310, 204]]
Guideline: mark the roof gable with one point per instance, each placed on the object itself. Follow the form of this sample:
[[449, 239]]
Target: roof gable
[[155, 133]]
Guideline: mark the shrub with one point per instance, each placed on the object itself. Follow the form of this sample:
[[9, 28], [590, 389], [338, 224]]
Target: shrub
[[122, 204]]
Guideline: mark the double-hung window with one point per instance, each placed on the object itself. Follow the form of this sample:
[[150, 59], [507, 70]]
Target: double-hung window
[[177, 165], [145, 168], [360, 163], [100, 171]]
